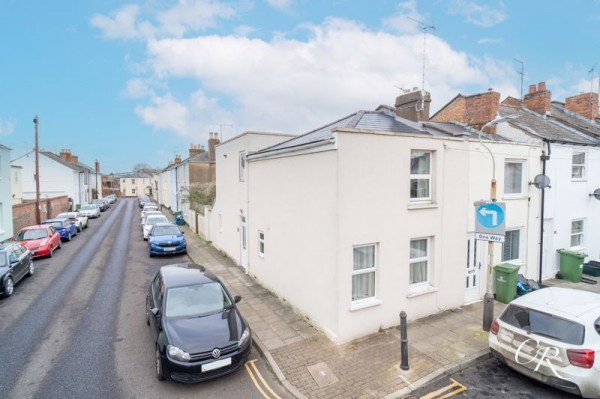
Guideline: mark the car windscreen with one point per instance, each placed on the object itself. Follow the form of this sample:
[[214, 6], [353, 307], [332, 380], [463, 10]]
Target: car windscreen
[[34, 234], [544, 324], [196, 300], [55, 224], [166, 230], [88, 208], [154, 220], [3, 261]]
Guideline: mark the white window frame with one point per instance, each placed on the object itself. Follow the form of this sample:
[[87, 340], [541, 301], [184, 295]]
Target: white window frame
[[520, 243], [422, 176], [579, 234], [521, 192], [242, 165], [582, 166], [361, 303], [261, 243], [421, 285]]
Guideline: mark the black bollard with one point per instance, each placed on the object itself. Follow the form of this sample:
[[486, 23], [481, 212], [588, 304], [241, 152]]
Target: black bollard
[[404, 342]]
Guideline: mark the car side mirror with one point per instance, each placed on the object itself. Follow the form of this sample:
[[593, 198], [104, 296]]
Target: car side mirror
[[155, 311], [237, 298]]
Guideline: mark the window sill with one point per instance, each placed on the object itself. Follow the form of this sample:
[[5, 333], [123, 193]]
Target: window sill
[[422, 205], [421, 291], [365, 303], [512, 197]]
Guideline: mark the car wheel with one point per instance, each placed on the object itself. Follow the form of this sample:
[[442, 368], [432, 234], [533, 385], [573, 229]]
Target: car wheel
[[59, 246], [147, 313], [69, 237], [8, 287], [31, 268], [51, 253], [79, 228], [159, 369]]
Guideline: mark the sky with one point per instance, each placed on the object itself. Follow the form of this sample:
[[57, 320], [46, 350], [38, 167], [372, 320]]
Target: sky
[[137, 82]]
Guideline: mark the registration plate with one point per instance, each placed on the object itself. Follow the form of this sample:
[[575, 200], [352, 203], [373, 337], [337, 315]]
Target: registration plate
[[169, 249], [216, 364]]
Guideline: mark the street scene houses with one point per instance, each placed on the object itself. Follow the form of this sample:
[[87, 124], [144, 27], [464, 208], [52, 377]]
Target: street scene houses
[[6, 198]]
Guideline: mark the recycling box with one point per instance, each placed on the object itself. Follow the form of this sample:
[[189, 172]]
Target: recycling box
[[506, 282], [571, 264]]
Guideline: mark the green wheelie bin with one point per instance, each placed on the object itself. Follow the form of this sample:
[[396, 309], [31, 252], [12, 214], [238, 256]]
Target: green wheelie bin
[[571, 264], [506, 282]]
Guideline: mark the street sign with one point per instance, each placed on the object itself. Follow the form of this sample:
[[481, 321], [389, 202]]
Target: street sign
[[489, 220], [489, 237]]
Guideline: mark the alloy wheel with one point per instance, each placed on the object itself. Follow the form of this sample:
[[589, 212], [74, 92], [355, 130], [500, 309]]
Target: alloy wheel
[[31, 268], [8, 287], [159, 370]]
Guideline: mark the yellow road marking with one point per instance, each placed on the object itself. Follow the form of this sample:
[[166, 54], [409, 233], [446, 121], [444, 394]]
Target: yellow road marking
[[254, 371], [454, 388]]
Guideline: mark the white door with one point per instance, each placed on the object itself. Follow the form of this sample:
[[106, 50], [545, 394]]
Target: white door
[[473, 272], [244, 243]]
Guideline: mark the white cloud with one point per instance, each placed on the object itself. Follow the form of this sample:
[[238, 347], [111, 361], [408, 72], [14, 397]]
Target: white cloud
[[165, 113], [7, 127], [138, 88], [407, 19], [490, 40], [280, 4], [477, 14], [123, 24]]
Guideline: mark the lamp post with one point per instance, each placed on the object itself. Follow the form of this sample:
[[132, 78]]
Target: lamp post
[[488, 298], [38, 216]]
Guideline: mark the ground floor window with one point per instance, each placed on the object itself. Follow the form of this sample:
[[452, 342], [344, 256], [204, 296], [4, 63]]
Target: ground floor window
[[363, 272], [261, 243], [577, 233], [419, 261], [511, 248]]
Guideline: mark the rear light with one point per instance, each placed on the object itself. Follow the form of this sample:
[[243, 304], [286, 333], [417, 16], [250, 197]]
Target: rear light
[[581, 357], [494, 327], [64, 229]]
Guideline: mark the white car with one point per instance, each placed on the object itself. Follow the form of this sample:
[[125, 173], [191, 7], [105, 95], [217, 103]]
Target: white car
[[146, 214], [90, 210], [151, 220], [81, 221], [148, 208], [553, 336]]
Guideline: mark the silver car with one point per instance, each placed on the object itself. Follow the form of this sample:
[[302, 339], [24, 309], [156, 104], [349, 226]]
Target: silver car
[[90, 210], [553, 336]]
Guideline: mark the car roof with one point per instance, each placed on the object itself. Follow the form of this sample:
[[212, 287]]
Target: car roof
[[8, 244], [565, 302], [184, 274], [56, 220], [35, 227]]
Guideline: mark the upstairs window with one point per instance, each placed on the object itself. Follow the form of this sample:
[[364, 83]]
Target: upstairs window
[[243, 166], [513, 177], [420, 175], [578, 165]]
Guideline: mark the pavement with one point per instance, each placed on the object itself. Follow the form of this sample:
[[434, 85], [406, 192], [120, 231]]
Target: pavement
[[309, 365]]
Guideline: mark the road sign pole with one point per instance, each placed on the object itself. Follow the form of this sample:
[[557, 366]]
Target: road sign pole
[[488, 298]]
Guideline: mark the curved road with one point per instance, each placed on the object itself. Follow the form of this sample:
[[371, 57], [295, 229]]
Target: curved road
[[76, 328]]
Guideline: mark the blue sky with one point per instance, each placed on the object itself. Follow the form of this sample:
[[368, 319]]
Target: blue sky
[[128, 82]]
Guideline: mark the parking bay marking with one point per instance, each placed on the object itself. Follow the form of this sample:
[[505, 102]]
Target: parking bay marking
[[446, 392], [252, 370]]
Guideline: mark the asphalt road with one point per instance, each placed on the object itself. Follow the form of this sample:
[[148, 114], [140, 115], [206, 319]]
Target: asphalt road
[[76, 328], [489, 380]]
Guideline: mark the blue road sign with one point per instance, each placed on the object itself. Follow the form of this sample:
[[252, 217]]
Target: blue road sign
[[490, 218]]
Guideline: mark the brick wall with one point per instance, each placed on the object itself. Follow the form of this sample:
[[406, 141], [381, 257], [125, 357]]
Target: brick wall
[[475, 110], [538, 99], [24, 214], [585, 104]]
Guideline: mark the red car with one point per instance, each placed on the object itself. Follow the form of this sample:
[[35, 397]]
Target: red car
[[41, 240]]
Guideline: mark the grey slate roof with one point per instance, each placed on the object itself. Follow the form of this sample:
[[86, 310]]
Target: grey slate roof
[[58, 159], [545, 127], [575, 121], [455, 129], [383, 119]]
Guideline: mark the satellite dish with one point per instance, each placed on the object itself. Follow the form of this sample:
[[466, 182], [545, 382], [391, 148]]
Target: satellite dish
[[596, 194], [541, 181]]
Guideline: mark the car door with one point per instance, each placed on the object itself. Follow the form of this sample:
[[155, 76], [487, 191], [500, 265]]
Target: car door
[[17, 261], [155, 301]]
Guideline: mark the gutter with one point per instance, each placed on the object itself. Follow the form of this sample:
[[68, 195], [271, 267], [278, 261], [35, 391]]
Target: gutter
[[293, 149]]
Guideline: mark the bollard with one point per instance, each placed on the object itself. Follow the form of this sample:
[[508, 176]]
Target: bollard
[[403, 342]]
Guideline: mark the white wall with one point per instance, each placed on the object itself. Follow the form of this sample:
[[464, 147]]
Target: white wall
[[17, 184], [6, 216]]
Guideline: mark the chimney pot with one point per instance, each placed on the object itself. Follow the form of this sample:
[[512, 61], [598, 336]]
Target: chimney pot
[[532, 89]]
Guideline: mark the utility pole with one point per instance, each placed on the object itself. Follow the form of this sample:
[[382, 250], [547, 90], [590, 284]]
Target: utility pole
[[38, 217]]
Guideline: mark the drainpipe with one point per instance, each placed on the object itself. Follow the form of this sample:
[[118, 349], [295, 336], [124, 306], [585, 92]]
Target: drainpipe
[[543, 158]]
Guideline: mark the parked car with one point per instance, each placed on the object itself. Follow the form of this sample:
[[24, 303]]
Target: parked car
[[81, 222], [198, 332], [112, 198], [103, 205], [148, 208], [151, 220], [41, 240], [16, 262], [553, 336], [65, 227], [146, 214], [166, 239], [90, 210]]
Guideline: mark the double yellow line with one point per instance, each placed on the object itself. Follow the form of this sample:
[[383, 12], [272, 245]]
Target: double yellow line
[[259, 381], [446, 392]]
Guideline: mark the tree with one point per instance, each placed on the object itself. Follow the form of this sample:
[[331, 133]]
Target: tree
[[200, 194]]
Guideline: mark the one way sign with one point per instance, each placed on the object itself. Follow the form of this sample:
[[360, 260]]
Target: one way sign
[[489, 221]]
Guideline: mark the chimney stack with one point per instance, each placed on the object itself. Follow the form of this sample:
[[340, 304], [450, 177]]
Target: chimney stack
[[196, 149], [538, 99], [213, 140], [177, 159], [584, 104], [74, 159], [97, 166], [414, 105], [65, 155], [475, 110]]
